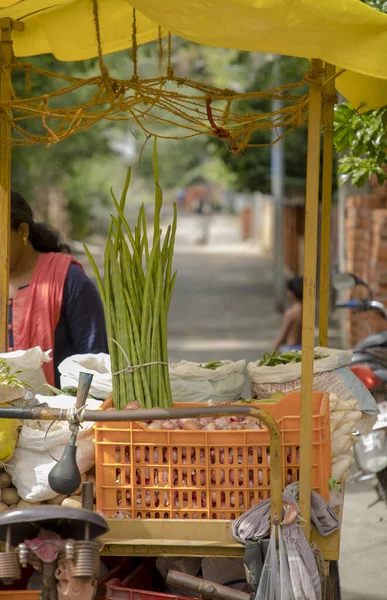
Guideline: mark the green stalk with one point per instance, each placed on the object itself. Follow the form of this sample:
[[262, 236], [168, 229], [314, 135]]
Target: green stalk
[[140, 357], [126, 331]]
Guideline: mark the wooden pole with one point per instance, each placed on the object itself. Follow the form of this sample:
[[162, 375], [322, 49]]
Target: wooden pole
[[6, 27], [325, 248], [309, 301], [5, 178]]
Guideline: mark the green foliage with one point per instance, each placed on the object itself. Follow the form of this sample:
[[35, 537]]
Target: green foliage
[[363, 137], [7, 376], [380, 5]]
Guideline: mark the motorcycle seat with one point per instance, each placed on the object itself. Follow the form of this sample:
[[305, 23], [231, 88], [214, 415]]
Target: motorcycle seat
[[377, 339], [68, 523]]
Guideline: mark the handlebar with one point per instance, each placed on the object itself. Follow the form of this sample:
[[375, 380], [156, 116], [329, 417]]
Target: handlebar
[[364, 305], [348, 304]]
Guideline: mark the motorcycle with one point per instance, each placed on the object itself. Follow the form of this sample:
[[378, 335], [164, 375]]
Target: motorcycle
[[369, 364]]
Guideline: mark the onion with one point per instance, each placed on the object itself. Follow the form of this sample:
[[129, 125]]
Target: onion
[[189, 424], [154, 425], [3, 507], [260, 477], [134, 405], [209, 427]]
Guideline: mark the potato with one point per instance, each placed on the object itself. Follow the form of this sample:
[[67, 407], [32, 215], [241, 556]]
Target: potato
[[72, 502], [12, 506], [5, 480], [3, 507], [25, 504], [57, 500], [10, 496]]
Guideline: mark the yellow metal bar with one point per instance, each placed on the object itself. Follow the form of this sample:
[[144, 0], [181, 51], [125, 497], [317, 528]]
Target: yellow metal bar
[[309, 301], [5, 177], [325, 244], [187, 537]]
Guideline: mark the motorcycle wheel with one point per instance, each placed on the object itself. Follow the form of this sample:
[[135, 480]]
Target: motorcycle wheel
[[333, 588], [382, 484]]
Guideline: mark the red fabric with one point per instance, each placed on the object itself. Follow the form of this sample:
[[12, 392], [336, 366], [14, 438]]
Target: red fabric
[[37, 308]]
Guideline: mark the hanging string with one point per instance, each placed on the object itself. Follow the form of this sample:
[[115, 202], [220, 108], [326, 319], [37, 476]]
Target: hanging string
[[170, 71], [160, 49], [102, 66], [134, 46]]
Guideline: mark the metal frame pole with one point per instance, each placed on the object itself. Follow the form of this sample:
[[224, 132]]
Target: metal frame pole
[[6, 27], [5, 177], [309, 301], [325, 248]]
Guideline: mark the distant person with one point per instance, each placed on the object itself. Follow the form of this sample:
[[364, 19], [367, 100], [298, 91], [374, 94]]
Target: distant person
[[52, 303], [289, 337]]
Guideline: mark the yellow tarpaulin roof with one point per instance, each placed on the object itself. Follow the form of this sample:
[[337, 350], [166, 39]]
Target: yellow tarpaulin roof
[[346, 33]]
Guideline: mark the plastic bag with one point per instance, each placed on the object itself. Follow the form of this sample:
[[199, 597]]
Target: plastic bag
[[285, 579], [275, 583], [97, 364], [269, 585], [190, 382]]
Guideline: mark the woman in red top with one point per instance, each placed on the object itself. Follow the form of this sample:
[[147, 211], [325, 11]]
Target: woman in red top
[[52, 303]]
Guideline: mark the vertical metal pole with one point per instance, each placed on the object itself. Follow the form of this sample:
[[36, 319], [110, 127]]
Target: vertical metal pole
[[309, 301], [5, 177], [277, 168], [325, 248]]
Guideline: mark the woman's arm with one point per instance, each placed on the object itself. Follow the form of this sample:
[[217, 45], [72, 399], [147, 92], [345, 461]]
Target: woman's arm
[[83, 311]]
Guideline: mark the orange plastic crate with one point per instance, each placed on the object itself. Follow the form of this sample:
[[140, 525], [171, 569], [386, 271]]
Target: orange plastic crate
[[175, 474], [20, 595]]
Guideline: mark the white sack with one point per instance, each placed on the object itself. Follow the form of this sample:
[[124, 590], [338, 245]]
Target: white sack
[[331, 374], [30, 362], [192, 383]]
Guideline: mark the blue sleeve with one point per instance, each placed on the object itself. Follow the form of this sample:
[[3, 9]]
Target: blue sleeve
[[83, 311]]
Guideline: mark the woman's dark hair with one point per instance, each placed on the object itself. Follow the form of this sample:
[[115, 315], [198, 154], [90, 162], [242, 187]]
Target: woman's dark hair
[[296, 286], [42, 237]]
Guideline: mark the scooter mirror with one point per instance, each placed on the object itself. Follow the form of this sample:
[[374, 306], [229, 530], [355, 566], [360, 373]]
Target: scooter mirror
[[344, 281]]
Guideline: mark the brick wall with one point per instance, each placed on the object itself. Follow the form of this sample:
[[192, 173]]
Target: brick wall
[[366, 252]]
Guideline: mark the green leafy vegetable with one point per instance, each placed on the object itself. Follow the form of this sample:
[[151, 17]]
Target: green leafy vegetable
[[273, 359], [213, 365], [8, 377]]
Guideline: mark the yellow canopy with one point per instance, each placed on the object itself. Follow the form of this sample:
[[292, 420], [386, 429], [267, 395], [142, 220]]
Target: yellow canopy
[[346, 33]]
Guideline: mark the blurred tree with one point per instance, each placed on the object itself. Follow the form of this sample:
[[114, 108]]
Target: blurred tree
[[252, 168]]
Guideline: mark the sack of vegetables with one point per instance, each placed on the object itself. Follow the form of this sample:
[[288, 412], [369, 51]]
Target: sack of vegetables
[[219, 381], [282, 372]]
